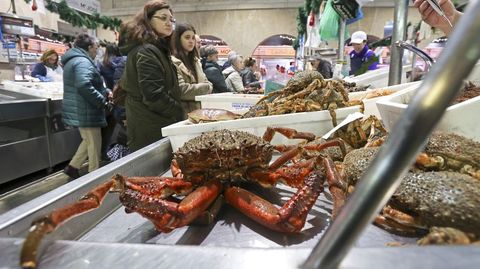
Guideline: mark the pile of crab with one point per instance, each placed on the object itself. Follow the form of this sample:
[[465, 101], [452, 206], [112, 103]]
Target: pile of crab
[[439, 197], [441, 193], [307, 91]]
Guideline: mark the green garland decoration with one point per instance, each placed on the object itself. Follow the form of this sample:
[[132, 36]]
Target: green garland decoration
[[315, 5], [78, 19], [302, 18]]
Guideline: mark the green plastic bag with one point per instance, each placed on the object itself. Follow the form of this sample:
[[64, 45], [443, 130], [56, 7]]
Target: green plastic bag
[[329, 23]]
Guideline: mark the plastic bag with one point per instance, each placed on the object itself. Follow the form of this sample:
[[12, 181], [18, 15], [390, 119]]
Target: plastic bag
[[329, 23]]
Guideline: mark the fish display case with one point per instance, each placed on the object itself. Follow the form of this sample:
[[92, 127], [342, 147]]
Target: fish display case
[[109, 237], [32, 135]]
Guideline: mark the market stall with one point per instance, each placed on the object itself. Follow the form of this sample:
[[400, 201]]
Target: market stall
[[33, 136]]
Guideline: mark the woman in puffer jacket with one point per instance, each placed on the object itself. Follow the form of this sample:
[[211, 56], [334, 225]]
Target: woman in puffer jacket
[[191, 78]]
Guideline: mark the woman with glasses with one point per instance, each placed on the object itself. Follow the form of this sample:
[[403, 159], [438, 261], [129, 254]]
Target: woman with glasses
[[191, 78], [150, 80]]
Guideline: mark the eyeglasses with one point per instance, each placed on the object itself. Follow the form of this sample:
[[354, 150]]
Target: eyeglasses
[[165, 18]]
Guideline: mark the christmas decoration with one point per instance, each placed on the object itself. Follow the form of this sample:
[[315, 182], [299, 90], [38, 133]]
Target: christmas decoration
[[79, 19], [34, 5]]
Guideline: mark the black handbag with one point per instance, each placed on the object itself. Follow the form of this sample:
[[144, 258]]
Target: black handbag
[[347, 9]]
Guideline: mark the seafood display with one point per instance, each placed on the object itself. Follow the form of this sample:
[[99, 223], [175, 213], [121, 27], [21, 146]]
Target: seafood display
[[363, 132], [378, 93], [469, 91], [444, 200], [304, 93], [207, 170]]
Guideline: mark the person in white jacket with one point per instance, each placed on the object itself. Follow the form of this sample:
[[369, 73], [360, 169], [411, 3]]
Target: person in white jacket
[[232, 74], [191, 78]]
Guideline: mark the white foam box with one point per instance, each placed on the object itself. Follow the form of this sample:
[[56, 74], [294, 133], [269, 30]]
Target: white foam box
[[318, 122], [377, 78], [51, 90], [461, 118], [371, 103], [228, 100]]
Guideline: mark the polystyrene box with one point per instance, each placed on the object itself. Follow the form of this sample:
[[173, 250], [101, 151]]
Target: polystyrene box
[[460, 118], [228, 100], [318, 122], [371, 104], [377, 78]]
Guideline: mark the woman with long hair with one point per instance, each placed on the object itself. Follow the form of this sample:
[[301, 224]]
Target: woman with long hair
[[150, 79], [111, 59], [48, 68], [191, 78]]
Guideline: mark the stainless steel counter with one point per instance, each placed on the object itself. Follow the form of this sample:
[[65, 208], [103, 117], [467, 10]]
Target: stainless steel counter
[[32, 136], [108, 237]]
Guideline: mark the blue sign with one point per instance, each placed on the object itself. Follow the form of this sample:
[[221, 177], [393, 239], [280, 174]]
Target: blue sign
[[9, 45]]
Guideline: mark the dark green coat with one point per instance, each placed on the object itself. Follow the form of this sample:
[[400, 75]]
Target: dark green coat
[[84, 95], [152, 93]]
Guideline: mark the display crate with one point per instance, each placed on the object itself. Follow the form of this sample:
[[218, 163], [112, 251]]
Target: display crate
[[460, 118], [228, 100], [318, 122], [371, 103]]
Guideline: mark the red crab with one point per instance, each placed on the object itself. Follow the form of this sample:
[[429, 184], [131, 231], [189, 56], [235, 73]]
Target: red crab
[[203, 169]]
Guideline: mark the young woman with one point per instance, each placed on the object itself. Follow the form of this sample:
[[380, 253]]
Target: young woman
[[150, 79], [191, 78], [248, 74], [111, 60]]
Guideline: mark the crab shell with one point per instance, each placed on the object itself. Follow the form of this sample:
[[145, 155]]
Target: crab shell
[[223, 154], [458, 152], [211, 115], [446, 199], [432, 198]]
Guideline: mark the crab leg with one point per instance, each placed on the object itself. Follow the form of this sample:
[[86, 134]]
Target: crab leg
[[290, 217], [336, 186], [156, 186], [287, 132], [330, 143], [168, 215], [51, 222]]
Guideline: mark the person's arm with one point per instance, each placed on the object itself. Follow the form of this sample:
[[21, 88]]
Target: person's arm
[[215, 76], [190, 90], [434, 19], [39, 70], [237, 82], [249, 80], [84, 75], [152, 82]]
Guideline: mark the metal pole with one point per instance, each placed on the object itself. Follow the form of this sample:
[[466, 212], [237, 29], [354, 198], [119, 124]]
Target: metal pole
[[341, 40], [14, 9], [399, 34], [423, 113]]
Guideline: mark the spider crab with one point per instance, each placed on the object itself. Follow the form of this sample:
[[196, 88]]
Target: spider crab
[[204, 169], [440, 193]]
